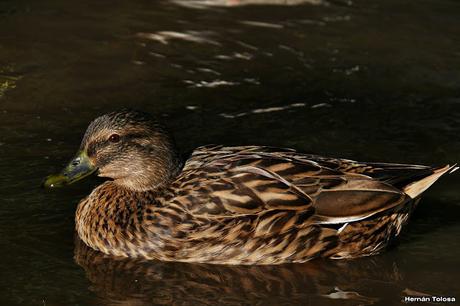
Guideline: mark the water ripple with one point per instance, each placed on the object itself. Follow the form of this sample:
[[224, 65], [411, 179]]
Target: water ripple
[[200, 37]]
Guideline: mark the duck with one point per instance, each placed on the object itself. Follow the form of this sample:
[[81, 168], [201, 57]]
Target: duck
[[233, 205]]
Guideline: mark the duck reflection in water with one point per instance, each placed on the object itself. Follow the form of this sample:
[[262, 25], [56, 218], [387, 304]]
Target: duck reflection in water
[[124, 281]]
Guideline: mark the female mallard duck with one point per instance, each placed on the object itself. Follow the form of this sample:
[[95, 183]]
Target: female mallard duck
[[233, 205]]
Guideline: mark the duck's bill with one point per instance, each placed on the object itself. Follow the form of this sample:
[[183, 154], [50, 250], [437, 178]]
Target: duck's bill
[[78, 168]]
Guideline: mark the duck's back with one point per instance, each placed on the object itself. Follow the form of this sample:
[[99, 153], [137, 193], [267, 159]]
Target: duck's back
[[341, 189]]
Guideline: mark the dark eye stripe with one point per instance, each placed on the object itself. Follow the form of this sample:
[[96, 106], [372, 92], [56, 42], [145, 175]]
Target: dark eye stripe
[[94, 146], [132, 136], [98, 144]]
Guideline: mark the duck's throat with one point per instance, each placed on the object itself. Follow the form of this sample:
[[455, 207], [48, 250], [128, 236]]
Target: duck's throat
[[154, 175]]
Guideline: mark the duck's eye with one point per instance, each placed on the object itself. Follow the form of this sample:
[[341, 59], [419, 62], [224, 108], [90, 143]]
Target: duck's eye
[[114, 138]]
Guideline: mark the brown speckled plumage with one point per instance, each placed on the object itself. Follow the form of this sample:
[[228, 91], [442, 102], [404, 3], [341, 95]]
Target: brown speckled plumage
[[238, 205]]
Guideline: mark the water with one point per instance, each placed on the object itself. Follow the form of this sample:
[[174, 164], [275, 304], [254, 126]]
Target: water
[[356, 79]]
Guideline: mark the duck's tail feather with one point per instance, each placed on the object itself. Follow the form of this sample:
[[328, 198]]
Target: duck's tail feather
[[416, 188]]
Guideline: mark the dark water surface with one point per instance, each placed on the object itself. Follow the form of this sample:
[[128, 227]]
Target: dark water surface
[[357, 79]]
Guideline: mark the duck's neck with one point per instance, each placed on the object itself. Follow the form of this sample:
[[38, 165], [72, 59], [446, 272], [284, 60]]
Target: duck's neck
[[154, 173]]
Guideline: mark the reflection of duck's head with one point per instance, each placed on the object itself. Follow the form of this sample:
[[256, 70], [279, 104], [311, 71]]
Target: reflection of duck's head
[[123, 281], [129, 147]]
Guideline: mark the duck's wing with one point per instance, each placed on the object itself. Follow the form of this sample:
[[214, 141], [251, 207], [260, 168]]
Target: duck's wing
[[397, 175], [238, 181], [400, 176], [413, 180]]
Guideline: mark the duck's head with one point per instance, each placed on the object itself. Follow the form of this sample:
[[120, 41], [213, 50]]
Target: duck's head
[[127, 146]]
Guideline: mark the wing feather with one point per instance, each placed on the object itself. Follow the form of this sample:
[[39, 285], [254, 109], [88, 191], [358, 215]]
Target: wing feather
[[237, 181]]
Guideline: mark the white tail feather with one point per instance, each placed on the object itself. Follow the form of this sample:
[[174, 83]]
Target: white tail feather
[[417, 188]]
